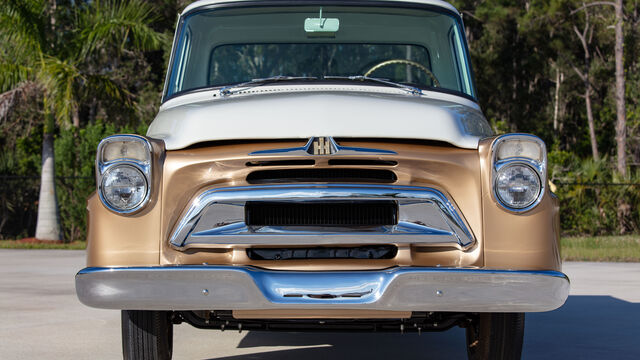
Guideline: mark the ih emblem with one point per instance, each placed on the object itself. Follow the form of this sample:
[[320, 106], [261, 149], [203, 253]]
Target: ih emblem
[[323, 146]]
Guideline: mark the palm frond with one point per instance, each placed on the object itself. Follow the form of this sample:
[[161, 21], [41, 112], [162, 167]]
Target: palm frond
[[122, 24], [13, 74], [104, 85], [60, 79], [23, 24]]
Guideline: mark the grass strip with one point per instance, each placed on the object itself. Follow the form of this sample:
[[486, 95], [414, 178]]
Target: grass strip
[[601, 248], [12, 244]]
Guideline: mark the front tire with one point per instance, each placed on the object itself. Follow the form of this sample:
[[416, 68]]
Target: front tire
[[495, 336], [147, 335]]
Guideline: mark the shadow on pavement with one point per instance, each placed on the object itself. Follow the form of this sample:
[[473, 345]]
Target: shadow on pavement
[[586, 327], [446, 345]]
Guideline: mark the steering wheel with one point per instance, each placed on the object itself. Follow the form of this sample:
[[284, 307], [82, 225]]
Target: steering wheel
[[421, 67]]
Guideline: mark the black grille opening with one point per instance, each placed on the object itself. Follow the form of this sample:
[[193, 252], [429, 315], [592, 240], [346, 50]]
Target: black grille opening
[[363, 162], [280, 162], [321, 175], [331, 213], [372, 252]]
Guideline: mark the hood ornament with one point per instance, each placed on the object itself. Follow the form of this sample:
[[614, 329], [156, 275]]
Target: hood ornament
[[324, 145]]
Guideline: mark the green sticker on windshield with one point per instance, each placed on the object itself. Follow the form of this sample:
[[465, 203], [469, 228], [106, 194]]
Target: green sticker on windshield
[[322, 26]]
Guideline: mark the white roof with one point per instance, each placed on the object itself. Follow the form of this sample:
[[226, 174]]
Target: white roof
[[200, 3]]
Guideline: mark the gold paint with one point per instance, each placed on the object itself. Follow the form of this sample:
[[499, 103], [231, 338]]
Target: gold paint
[[117, 240], [527, 241], [505, 240]]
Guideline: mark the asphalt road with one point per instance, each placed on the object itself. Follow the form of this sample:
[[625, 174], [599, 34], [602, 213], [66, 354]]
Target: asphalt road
[[40, 317]]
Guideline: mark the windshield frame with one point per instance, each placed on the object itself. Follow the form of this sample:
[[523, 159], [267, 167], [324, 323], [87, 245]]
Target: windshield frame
[[276, 3]]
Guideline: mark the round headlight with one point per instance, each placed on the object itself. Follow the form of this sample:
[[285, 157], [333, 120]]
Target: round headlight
[[124, 187], [517, 186]]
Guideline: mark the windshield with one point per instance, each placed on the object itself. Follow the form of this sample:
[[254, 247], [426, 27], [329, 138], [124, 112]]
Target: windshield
[[417, 47]]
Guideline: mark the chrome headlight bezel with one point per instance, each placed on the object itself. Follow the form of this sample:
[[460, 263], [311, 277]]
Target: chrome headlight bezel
[[144, 165], [538, 165]]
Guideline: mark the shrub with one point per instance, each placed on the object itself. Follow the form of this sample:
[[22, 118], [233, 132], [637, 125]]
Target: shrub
[[594, 199]]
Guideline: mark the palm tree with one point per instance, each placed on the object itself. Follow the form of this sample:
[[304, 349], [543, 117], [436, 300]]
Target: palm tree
[[54, 58]]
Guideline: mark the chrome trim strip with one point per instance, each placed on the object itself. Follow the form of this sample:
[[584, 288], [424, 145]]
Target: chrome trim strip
[[203, 287], [307, 150], [231, 229]]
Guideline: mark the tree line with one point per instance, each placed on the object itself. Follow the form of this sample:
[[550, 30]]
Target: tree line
[[567, 71], [72, 72]]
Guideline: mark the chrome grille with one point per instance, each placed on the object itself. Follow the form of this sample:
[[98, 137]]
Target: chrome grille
[[424, 216], [314, 213]]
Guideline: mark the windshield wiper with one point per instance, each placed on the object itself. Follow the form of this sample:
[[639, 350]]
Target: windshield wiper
[[410, 89], [233, 89]]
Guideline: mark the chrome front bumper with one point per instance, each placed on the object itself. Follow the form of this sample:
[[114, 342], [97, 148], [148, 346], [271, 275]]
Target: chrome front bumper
[[400, 288]]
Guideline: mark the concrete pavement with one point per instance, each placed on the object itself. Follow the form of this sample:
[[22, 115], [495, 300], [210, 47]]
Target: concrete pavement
[[40, 317]]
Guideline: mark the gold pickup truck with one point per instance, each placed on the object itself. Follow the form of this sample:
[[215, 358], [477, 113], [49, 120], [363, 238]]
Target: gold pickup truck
[[322, 165]]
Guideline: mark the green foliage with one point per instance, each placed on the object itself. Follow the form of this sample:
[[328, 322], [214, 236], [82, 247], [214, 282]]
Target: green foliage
[[70, 68], [27, 154], [119, 23], [519, 51], [509, 54], [69, 65], [594, 200], [12, 74], [27, 25], [18, 185]]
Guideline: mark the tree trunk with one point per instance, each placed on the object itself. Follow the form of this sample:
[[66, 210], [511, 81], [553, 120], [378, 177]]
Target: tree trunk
[[585, 39], [75, 116], [556, 105], [48, 225], [52, 20], [592, 131], [621, 121]]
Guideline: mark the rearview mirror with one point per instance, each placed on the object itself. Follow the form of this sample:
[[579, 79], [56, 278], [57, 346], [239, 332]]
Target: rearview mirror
[[321, 25]]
